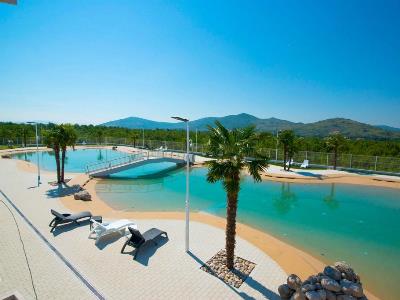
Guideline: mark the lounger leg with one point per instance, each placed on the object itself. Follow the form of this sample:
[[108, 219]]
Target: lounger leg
[[54, 226], [123, 247], [52, 221], [90, 234]]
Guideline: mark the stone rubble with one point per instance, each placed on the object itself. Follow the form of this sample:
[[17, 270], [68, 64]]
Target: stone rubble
[[337, 282]]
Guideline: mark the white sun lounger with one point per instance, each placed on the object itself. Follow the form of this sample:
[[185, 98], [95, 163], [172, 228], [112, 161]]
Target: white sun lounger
[[304, 164], [102, 229]]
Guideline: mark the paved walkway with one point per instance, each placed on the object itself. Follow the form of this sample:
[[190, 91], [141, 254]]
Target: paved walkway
[[164, 272]]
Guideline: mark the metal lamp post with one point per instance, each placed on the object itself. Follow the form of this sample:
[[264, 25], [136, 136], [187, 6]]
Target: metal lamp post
[[37, 152], [277, 143], [143, 138], [187, 183]]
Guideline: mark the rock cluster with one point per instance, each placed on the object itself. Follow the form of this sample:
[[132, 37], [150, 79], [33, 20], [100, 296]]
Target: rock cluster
[[83, 195], [337, 282], [217, 267]]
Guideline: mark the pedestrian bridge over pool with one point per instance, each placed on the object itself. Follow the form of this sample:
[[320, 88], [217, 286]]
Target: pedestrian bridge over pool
[[119, 164]]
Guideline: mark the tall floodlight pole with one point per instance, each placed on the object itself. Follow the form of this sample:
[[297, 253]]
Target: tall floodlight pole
[[277, 142], [196, 140], [37, 152], [187, 183]]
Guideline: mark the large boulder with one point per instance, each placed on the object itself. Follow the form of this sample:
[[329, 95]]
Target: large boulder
[[285, 291], [298, 295], [332, 272], [308, 287], [322, 294], [294, 282], [345, 297], [345, 269], [351, 288], [83, 195], [313, 295], [330, 295], [313, 279], [330, 284], [316, 295]]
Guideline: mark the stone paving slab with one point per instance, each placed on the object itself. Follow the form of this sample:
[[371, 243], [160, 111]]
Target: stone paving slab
[[50, 277]]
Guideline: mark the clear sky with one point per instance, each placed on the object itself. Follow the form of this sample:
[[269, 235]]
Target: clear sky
[[95, 61]]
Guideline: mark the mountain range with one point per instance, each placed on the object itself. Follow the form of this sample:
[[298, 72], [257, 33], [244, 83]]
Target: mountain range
[[347, 127]]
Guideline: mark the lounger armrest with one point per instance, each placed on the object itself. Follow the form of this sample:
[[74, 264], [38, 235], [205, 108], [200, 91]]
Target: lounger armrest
[[97, 224]]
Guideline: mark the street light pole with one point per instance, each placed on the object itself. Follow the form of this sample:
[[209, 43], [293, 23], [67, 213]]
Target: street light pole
[[187, 211], [143, 139], [277, 142], [37, 152], [196, 140]]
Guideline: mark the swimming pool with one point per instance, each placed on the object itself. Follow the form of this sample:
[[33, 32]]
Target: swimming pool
[[76, 160], [359, 224]]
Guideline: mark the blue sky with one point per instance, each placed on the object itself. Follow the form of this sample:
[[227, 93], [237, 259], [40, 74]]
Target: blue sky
[[95, 61]]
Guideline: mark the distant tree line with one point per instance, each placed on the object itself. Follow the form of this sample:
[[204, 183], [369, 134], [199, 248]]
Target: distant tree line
[[98, 134]]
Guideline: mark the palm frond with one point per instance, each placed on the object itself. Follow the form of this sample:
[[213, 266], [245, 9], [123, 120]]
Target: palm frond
[[256, 166]]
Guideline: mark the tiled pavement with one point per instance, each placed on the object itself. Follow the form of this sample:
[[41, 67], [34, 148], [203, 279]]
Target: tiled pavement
[[164, 272]]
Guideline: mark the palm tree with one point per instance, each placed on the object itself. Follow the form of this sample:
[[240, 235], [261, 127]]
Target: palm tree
[[132, 137], [99, 135], [286, 137], [68, 137], [52, 139], [293, 148], [335, 142], [232, 150]]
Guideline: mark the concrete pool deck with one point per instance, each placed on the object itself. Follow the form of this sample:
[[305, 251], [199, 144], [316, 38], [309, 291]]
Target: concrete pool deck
[[164, 272]]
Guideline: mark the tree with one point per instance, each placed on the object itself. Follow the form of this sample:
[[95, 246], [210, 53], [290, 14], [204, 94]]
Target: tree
[[68, 137], [335, 142], [52, 139], [286, 137], [293, 148], [231, 150], [99, 134], [132, 137]]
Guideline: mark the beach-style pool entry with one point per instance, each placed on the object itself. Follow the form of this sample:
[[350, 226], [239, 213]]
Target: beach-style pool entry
[[359, 224]]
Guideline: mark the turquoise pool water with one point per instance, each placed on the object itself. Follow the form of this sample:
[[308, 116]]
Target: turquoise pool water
[[358, 224], [76, 160]]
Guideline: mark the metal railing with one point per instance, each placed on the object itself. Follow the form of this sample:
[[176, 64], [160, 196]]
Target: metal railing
[[131, 158], [343, 161], [113, 163], [316, 159]]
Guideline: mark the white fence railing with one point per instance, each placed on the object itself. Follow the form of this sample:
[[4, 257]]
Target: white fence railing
[[131, 158], [318, 159]]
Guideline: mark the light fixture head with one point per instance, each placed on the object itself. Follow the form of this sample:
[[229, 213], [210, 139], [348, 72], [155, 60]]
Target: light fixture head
[[180, 119]]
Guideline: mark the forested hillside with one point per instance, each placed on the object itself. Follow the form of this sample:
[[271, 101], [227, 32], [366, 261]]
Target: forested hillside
[[99, 134]]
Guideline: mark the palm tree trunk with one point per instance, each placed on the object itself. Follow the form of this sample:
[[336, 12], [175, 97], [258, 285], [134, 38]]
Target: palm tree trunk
[[57, 156], [63, 150], [231, 210], [334, 159]]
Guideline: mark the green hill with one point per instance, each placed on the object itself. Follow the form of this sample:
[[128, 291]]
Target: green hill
[[347, 127]]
